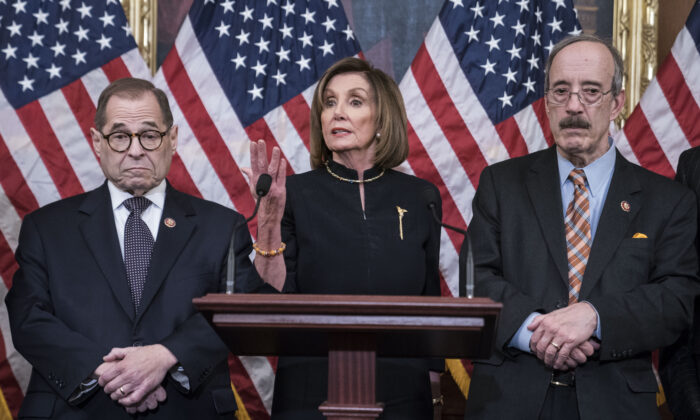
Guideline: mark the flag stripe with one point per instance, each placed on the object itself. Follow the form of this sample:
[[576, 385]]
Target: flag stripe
[[181, 179], [14, 184], [82, 107], [649, 153], [245, 388], [288, 138], [510, 135], [299, 111], [687, 57], [116, 69], [680, 99]]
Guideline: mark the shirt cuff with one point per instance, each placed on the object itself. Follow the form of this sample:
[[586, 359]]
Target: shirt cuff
[[598, 332], [84, 389], [521, 339], [177, 372]]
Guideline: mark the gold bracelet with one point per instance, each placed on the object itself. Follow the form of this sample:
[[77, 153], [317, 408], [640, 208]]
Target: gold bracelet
[[271, 253]]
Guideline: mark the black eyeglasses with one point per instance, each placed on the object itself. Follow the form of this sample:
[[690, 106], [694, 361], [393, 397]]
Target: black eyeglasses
[[120, 141]]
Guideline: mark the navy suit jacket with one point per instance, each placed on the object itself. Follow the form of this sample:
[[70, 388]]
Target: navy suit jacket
[[70, 303], [642, 288]]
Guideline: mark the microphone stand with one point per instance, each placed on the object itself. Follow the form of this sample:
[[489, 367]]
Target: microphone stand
[[262, 187]]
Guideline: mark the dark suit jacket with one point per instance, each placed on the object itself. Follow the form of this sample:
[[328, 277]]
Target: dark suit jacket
[[641, 288], [70, 303], [679, 363]]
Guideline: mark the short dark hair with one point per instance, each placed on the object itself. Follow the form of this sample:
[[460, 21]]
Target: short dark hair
[[391, 121], [616, 85], [132, 88]]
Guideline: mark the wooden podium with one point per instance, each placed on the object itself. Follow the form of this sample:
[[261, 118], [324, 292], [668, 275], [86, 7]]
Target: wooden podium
[[352, 330]]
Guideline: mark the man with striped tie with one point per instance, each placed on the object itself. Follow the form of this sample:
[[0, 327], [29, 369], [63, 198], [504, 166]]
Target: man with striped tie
[[592, 257]]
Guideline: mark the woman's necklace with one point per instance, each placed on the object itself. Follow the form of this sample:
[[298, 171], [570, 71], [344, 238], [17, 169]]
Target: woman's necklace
[[353, 181]]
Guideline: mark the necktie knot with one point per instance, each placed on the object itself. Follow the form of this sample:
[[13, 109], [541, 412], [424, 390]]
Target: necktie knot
[[137, 204], [578, 177]]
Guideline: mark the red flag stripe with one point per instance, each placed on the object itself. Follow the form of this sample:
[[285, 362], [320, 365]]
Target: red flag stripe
[[298, 112], [205, 131], [181, 179], [539, 107], [645, 145], [8, 265], [246, 390], [50, 149], [82, 107], [116, 69], [512, 138], [680, 99], [9, 385], [14, 184]]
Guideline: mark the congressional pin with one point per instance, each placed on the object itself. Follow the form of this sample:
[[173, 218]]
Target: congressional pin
[[625, 206], [169, 222]]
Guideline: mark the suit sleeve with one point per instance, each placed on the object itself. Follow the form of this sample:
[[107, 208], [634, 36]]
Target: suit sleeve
[[485, 232], [653, 314], [62, 356]]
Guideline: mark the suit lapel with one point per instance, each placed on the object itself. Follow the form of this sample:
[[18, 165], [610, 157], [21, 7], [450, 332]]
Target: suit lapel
[[545, 194], [99, 232], [614, 221], [169, 244]]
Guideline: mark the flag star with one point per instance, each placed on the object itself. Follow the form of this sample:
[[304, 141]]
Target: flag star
[[536, 38], [534, 62], [269, 2], [478, 10], [14, 28], [127, 29], [456, 3], [555, 24], [303, 63], [19, 6], [514, 52], [510, 76], [538, 13], [79, 57], [305, 40], [279, 77], [505, 100], [559, 3], [105, 42], [493, 43], [348, 33], [112, 2], [36, 39], [227, 5], [266, 21], [41, 17], [308, 16], [329, 24], [286, 31], [239, 60], [288, 8], [65, 5], [326, 48], [58, 49], [549, 47], [259, 68], [62, 26], [84, 10], [54, 71], [9, 51], [523, 5], [247, 14], [223, 29], [576, 31], [283, 54], [488, 67], [26, 83], [497, 19], [107, 19], [519, 28], [243, 37], [529, 85], [31, 61], [472, 34], [262, 45], [256, 92], [332, 3], [208, 1], [81, 33]]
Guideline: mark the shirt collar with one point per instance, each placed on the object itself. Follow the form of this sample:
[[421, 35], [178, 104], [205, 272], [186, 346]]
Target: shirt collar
[[156, 195], [597, 172]]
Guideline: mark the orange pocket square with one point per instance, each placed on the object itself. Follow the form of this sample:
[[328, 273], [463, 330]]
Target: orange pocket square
[[639, 235]]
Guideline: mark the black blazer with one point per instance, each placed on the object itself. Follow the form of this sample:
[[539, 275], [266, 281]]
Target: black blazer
[[70, 303], [641, 288]]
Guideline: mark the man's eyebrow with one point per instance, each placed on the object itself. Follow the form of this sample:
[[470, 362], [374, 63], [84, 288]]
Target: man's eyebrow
[[121, 125]]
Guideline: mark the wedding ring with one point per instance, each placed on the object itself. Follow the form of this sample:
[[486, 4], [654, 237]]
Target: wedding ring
[[121, 389], [556, 346]]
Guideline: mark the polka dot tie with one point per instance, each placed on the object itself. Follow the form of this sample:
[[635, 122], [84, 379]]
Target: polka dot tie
[[138, 244]]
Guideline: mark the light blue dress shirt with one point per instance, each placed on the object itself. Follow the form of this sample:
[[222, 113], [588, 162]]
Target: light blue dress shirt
[[598, 176]]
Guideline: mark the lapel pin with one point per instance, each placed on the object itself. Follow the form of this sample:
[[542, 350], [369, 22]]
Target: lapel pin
[[625, 206], [169, 222]]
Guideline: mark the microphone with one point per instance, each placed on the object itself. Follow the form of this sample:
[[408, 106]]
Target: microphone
[[466, 256], [262, 187]]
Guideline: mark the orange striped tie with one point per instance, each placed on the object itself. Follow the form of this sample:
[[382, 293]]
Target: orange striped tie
[[578, 233]]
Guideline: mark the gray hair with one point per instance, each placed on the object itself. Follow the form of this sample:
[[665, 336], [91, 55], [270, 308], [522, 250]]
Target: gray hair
[[617, 58]]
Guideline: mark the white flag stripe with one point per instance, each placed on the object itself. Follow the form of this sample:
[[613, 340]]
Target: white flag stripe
[[94, 82], [623, 145], [20, 367], [9, 221], [308, 94], [462, 95], [136, 65], [262, 376], [26, 156], [288, 139], [449, 262], [530, 127], [687, 56], [75, 146], [663, 122], [440, 152]]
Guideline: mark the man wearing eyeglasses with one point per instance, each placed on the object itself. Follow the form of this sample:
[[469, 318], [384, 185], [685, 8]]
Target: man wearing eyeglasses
[[101, 305], [592, 257]]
